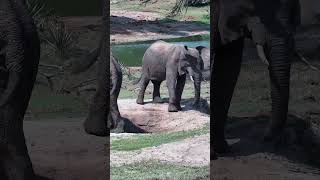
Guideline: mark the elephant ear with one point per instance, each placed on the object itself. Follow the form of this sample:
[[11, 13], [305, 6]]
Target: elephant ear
[[205, 56], [257, 30], [183, 62]]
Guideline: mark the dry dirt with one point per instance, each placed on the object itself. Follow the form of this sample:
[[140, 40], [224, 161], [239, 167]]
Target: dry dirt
[[61, 150]]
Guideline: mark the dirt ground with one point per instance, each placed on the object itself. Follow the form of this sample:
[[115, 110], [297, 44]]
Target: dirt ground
[[251, 159], [132, 26], [155, 118], [61, 150], [190, 152]]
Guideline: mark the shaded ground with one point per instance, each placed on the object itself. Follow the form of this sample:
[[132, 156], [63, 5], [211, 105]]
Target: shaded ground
[[60, 150], [252, 159]]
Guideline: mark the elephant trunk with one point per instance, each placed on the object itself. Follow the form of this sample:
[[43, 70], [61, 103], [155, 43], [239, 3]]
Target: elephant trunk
[[197, 86]]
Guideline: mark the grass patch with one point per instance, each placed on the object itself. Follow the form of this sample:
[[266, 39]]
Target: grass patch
[[142, 141], [156, 170]]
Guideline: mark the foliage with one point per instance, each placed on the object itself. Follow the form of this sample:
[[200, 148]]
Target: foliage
[[60, 39], [40, 12]]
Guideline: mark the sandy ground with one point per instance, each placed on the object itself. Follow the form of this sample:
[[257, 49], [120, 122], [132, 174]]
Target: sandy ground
[[155, 118], [191, 152], [60, 150]]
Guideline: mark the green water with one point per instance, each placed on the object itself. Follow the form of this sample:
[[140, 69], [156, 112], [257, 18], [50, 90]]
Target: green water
[[131, 54], [75, 7]]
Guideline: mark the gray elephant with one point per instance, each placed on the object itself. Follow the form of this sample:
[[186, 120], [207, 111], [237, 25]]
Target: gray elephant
[[205, 55], [271, 25], [19, 59], [164, 61], [98, 118]]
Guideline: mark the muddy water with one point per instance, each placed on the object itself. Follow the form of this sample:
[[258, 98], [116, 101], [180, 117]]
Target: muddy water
[[131, 54]]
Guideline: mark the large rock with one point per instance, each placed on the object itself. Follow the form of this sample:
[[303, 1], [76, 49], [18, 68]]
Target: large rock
[[156, 118]]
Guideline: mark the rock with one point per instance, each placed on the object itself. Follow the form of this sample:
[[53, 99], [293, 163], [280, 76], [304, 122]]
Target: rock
[[156, 118]]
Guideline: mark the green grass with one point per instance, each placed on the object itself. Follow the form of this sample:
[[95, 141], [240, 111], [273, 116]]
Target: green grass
[[156, 170], [142, 141]]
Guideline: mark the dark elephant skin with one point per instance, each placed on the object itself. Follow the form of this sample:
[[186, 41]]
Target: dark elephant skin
[[19, 59], [115, 82], [99, 121], [164, 61], [96, 122], [270, 24]]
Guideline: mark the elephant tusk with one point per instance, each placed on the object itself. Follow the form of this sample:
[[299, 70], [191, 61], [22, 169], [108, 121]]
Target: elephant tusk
[[191, 78], [262, 55]]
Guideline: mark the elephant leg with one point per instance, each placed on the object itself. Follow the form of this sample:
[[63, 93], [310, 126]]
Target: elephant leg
[[14, 154], [225, 72], [156, 92], [181, 81], [144, 84], [171, 85], [280, 54], [118, 124]]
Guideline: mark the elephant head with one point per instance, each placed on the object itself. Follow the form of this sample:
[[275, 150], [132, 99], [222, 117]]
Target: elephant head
[[192, 64]]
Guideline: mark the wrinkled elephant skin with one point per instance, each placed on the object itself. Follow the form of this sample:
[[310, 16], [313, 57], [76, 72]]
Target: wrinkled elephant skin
[[271, 26], [19, 59]]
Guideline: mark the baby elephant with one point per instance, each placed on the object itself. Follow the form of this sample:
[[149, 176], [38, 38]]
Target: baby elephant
[[164, 61]]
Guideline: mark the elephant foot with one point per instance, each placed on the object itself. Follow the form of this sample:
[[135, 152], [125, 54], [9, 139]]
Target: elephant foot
[[196, 104], [173, 108], [95, 128], [119, 128], [157, 100], [139, 101], [221, 146]]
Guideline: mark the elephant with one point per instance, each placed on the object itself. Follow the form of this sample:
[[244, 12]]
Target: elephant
[[165, 61], [271, 25], [100, 121], [205, 55], [19, 59]]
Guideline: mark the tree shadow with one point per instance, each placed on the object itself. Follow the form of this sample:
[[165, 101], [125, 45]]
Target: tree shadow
[[245, 136], [120, 25]]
